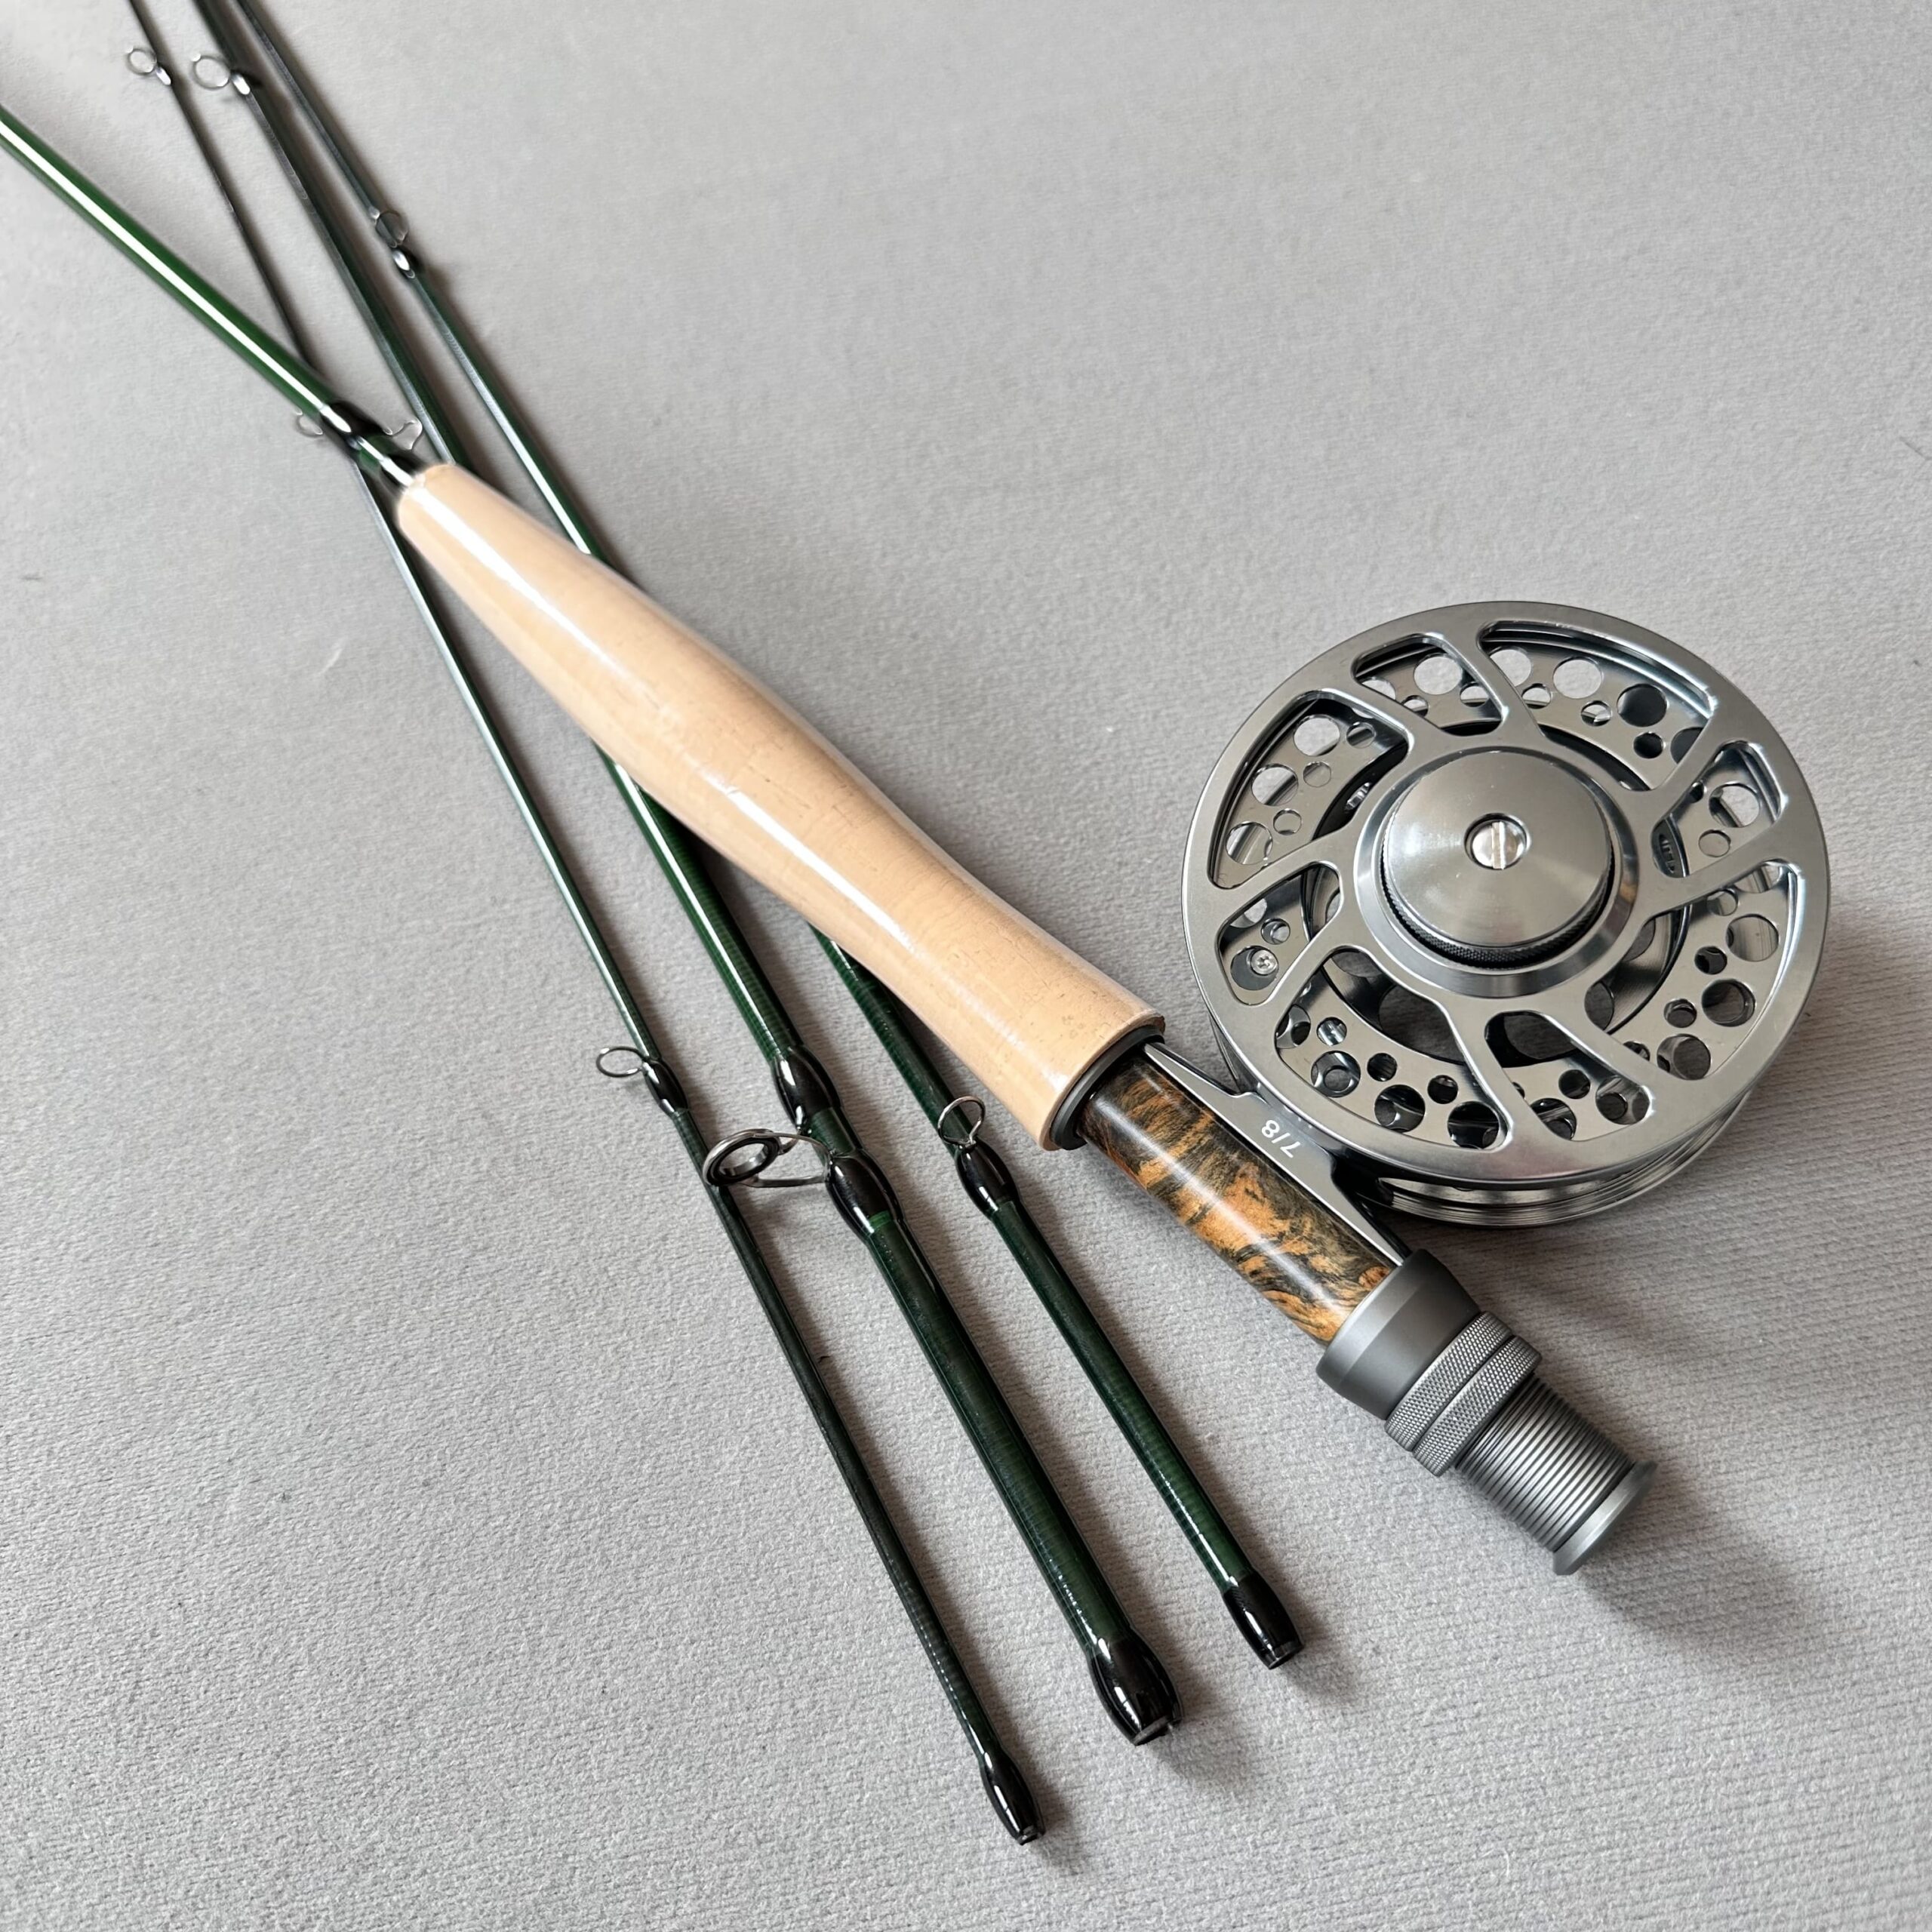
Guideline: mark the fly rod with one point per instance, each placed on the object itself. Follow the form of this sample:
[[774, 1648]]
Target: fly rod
[[1073, 1056], [1005, 1787], [1133, 1687], [956, 1120]]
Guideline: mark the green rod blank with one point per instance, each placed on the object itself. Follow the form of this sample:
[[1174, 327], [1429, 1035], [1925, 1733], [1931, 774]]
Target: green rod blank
[[1005, 1786], [304, 386], [1213, 1543], [1263, 1622], [1133, 1688], [989, 1184]]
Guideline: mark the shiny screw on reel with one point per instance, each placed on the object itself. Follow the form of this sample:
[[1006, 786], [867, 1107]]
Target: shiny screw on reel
[[1511, 904]]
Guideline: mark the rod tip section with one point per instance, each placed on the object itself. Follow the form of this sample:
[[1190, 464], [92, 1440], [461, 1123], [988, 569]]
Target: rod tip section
[[1262, 1618], [1139, 1695], [1008, 1794]]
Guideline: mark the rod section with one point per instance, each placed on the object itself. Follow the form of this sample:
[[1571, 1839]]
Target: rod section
[[1256, 1609], [989, 1184], [304, 385], [1005, 1786], [277, 363], [1133, 1688]]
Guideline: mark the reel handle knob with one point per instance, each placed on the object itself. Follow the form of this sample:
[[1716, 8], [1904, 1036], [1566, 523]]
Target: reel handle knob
[[750, 777]]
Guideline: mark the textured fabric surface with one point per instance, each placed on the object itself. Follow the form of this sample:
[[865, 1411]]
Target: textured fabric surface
[[404, 1517]]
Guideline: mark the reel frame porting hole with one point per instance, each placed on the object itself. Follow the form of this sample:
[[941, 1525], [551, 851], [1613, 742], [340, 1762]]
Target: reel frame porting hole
[[1526, 1041]]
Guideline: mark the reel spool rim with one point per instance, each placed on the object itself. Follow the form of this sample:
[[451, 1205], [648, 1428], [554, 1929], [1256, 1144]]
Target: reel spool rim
[[1515, 1179]]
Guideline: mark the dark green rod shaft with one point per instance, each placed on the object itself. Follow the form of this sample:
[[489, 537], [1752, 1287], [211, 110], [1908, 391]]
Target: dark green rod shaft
[[1273, 1636], [280, 366], [337, 244], [1133, 1687], [1005, 1786], [989, 1185], [289, 372]]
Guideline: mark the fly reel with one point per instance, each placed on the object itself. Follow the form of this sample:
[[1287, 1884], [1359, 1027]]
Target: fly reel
[[1510, 905]]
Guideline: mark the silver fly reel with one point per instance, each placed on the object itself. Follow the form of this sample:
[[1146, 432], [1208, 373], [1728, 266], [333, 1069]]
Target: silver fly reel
[[1511, 905]]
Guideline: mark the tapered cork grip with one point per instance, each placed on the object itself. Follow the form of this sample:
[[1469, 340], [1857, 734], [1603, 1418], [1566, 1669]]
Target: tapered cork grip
[[753, 780]]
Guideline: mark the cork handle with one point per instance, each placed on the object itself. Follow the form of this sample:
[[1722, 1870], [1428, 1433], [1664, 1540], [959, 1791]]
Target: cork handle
[[752, 779]]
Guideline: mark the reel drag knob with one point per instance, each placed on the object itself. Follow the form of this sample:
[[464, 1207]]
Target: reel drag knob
[[1498, 858]]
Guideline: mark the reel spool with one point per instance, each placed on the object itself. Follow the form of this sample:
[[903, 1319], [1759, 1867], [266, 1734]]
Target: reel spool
[[1510, 905]]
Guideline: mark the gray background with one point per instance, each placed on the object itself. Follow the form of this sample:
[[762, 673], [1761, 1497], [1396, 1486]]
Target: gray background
[[400, 1497]]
